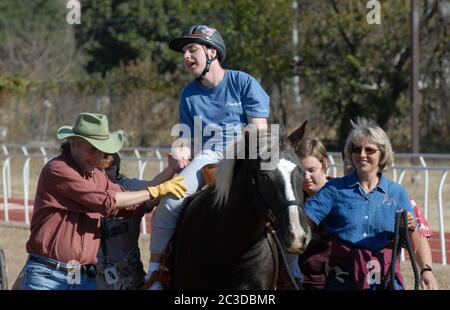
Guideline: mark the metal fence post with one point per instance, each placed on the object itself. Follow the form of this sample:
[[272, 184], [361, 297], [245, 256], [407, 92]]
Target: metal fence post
[[441, 218], [5, 187], [394, 172], [26, 180], [333, 165], [161, 163], [44, 153], [8, 171], [425, 198]]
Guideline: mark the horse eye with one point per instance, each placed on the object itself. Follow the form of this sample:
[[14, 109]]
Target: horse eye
[[264, 177]]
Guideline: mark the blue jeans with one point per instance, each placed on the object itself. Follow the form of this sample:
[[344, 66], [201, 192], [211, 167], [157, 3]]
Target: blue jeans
[[39, 276], [292, 260], [164, 220]]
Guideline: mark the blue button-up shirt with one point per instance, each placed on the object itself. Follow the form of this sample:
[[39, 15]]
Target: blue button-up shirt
[[364, 219]]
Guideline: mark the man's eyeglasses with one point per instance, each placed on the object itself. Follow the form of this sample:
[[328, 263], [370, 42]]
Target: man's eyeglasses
[[369, 150]]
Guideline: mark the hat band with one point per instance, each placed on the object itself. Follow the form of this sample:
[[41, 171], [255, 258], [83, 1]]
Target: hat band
[[91, 136]]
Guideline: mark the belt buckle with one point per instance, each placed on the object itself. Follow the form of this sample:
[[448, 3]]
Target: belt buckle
[[72, 267]]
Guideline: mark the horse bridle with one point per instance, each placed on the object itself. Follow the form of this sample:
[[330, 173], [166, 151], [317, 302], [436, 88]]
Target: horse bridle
[[270, 219]]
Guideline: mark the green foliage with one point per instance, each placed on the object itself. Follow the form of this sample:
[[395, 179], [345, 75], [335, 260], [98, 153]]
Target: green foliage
[[259, 40], [25, 15], [352, 68], [37, 42], [115, 32], [257, 35], [118, 62], [13, 85]]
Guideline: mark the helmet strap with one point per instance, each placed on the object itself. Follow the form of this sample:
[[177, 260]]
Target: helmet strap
[[209, 60]]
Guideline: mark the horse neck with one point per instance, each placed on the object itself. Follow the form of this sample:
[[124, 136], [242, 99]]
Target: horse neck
[[245, 219]]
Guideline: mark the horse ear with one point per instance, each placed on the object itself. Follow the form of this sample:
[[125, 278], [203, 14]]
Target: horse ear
[[246, 143], [250, 142], [297, 135]]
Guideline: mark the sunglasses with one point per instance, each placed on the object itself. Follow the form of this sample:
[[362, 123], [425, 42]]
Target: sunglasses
[[369, 150]]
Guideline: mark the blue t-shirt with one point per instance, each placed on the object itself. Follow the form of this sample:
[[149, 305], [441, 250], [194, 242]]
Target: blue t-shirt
[[222, 107], [366, 220]]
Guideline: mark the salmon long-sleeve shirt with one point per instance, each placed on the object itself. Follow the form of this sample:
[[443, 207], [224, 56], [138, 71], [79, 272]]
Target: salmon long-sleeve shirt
[[67, 210]]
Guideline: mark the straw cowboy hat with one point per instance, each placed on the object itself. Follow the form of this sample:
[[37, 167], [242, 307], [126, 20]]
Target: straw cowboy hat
[[94, 129]]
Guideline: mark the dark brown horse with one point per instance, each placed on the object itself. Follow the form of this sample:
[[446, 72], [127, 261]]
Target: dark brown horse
[[222, 241]]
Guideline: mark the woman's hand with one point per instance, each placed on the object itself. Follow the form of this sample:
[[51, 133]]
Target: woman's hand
[[428, 281], [412, 223]]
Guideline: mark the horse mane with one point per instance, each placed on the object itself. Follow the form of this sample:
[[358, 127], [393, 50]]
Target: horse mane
[[242, 149], [224, 178]]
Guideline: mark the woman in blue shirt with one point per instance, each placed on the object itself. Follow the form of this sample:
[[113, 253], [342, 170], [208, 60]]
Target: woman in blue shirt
[[358, 210]]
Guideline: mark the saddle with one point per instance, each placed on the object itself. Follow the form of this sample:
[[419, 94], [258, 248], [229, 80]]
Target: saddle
[[164, 275], [209, 174]]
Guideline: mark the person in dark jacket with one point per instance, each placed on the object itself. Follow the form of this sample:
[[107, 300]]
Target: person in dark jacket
[[314, 261]]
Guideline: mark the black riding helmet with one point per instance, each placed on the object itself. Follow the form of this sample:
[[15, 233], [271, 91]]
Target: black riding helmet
[[204, 35], [200, 34]]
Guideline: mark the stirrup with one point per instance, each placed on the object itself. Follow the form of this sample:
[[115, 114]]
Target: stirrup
[[153, 278], [157, 286]]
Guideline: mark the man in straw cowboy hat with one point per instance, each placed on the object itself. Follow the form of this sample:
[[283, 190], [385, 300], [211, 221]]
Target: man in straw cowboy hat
[[71, 198]]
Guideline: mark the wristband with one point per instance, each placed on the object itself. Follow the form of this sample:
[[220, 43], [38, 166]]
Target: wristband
[[427, 268]]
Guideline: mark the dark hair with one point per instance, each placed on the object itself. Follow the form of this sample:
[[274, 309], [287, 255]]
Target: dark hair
[[116, 163], [64, 148]]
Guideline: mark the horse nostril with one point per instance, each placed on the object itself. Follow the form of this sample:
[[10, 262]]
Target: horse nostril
[[304, 242]]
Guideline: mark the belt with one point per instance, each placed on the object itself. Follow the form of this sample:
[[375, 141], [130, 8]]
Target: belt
[[89, 269]]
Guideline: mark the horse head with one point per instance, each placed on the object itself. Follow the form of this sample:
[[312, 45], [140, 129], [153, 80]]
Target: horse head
[[281, 191], [269, 167]]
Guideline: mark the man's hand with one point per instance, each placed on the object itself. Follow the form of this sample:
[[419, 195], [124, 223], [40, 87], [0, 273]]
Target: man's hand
[[173, 186]]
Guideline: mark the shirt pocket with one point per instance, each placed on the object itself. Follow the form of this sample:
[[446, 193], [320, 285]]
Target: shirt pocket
[[384, 220], [347, 215]]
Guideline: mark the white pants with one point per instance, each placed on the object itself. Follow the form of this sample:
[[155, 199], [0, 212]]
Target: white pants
[[166, 215]]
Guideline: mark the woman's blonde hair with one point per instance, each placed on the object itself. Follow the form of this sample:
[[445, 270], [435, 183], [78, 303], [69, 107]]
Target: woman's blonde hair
[[365, 130], [313, 147]]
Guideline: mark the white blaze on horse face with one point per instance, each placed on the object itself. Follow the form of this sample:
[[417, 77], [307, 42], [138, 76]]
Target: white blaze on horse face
[[295, 230]]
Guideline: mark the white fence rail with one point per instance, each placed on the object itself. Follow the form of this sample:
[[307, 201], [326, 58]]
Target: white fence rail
[[433, 176]]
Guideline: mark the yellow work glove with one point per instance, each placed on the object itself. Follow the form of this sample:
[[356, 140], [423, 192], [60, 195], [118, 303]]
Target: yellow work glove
[[173, 186]]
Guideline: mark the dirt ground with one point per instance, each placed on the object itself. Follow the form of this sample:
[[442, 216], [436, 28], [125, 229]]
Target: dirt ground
[[14, 236]]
